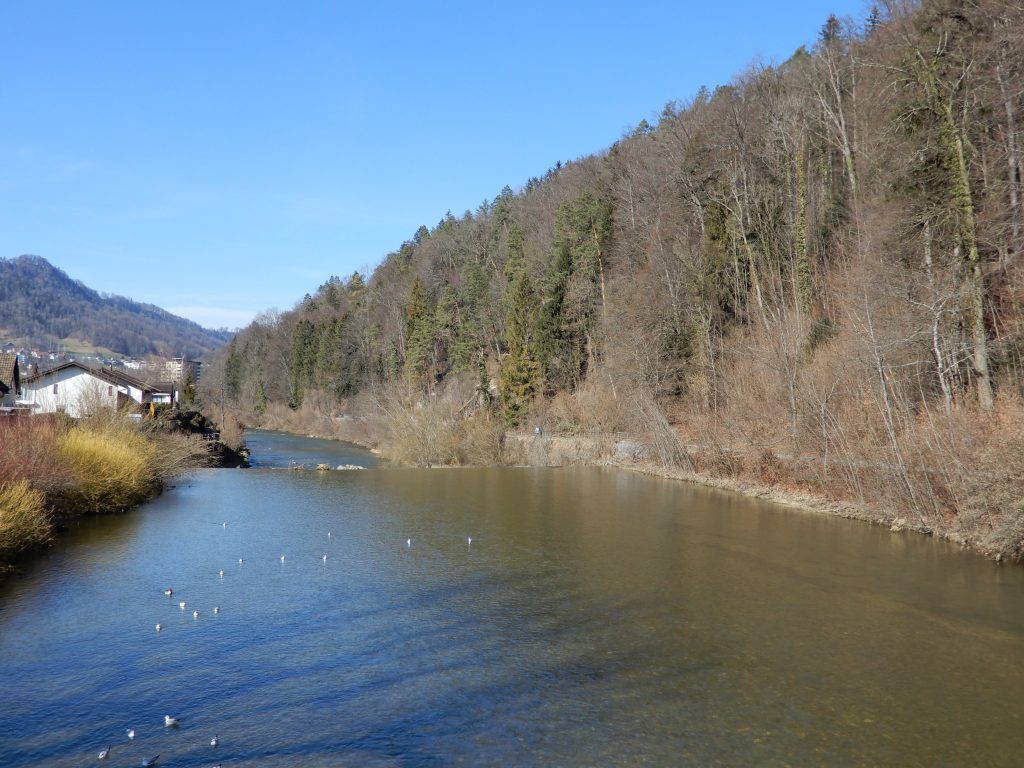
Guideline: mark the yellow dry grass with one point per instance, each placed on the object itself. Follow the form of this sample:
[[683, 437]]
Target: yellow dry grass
[[24, 522], [113, 467]]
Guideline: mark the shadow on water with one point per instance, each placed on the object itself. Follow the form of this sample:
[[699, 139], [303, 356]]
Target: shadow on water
[[103, 532]]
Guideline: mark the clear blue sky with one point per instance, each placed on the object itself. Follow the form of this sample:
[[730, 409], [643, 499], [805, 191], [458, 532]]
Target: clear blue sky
[[222, 158]]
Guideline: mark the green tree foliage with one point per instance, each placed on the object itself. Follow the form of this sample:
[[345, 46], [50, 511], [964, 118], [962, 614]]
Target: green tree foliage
[[233, 370], [574, 290], [419, 334], [520, 370], [304, 349]]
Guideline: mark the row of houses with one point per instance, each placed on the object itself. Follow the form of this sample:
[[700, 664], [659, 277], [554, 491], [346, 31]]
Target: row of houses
[[77, 389]]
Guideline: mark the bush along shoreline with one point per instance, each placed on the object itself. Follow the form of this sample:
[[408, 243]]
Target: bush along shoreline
[[54, 470]]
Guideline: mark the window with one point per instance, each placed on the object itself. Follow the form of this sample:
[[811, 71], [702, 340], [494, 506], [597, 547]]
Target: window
[[55, 388], [110, 389]]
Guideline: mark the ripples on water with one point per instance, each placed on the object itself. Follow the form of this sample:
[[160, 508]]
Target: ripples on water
[[598, 618]]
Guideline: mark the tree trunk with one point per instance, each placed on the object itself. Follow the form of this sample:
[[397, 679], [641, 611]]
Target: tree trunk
[[968, 237], [1013, 161]]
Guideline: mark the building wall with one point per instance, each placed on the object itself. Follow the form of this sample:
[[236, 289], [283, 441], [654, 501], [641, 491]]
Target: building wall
[[77, 392], [178, 369]]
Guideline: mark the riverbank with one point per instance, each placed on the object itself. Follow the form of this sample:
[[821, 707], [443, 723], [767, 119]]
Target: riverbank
[[54, 470], [987, 516]]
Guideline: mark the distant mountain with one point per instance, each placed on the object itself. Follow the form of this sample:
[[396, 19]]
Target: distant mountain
[[40, 306]]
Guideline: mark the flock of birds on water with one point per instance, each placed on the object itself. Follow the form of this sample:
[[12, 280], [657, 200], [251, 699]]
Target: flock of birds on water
[[173, 722], [169, 722]]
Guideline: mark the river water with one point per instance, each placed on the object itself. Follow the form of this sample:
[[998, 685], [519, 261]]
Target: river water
[[597, 618]]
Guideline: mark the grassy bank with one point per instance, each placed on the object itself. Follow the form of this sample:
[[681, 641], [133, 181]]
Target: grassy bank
[[54, 470]]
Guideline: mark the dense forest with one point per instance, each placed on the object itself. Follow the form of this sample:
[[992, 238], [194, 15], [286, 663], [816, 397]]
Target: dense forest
[[810, 277], [40, 306]]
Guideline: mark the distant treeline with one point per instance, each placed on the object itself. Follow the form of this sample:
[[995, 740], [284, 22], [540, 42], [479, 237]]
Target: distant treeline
[[820, 259], [40, 305]]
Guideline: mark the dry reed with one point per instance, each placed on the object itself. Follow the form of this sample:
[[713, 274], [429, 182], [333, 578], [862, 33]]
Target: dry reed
[[24, 522]]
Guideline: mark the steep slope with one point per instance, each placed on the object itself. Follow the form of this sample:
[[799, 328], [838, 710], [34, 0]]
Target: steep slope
[[42, 306]]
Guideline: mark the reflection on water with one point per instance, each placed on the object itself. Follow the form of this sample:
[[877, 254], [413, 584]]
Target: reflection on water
[[596, 618]]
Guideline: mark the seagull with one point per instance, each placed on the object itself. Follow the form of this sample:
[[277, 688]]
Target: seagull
[[408, 542], [131, 731], [282, 558], [469, 541], [146, 762], [325, 558], [221, 574], [182, 605], [216, 609], [328, 534], [103, 753], [168, 591], [214, 741], [224, 525], [170, 722], [158, 628], [240, 561], [195, 614]]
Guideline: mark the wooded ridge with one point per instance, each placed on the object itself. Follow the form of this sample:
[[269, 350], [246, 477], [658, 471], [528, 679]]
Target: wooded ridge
[[40, 306], [811, 276]]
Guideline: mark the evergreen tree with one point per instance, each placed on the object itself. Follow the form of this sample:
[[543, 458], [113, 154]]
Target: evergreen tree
[[233, 365], [565, 341], [520, 371], [303, 360], [418, 333]]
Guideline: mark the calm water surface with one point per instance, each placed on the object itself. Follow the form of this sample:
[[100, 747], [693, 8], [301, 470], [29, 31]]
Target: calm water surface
[[597, 618]]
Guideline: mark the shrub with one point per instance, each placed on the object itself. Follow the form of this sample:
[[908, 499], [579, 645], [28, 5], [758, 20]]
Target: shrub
[[28, 452], [24, 523], [113, 467]]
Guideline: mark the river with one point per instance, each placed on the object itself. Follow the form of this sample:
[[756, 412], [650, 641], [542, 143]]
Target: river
[[502, 617]]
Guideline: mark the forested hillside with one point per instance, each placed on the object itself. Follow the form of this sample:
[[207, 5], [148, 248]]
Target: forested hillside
[[809, 277], [40, 306]]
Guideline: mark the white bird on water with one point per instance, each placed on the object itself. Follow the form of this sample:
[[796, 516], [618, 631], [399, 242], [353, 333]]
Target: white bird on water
[[221, 574], [214, 741], [103, 753], [408, 542], [131, 731], [282, 558], [216, 609], [328, 534], [170, 722], [325, 558], [158, 628], [469, 541], [168, 591], [195, 614], [240, 561], [224, 525], [182, 605]]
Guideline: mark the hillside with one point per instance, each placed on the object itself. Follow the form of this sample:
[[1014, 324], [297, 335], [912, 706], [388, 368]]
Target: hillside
[[809, 278], [43, 307]]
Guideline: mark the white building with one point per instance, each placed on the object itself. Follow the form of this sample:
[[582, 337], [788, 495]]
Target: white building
[[78, 390], [178, 369]]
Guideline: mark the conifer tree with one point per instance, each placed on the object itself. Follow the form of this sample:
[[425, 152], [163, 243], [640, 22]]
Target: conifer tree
[[520, 371], [418, 332]]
